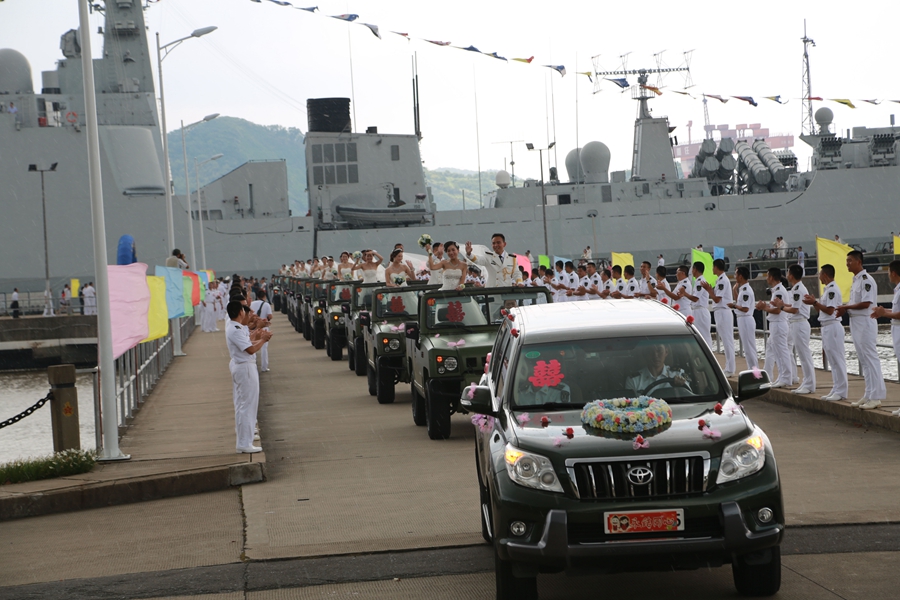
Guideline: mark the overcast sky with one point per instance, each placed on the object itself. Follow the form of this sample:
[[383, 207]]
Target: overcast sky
[[265, 60]]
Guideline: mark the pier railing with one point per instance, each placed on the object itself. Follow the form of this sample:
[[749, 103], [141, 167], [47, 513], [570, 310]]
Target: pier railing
[[137, 373]]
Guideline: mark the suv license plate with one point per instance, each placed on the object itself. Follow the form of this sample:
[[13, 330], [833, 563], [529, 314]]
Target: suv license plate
[[641, 521]]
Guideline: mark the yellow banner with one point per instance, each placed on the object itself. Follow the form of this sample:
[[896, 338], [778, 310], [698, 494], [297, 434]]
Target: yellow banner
[[158, 315], [623, 259], [75, 284], [896, 245], [829, 252]]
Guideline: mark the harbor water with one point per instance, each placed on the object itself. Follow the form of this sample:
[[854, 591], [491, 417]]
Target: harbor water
[[33, 436]]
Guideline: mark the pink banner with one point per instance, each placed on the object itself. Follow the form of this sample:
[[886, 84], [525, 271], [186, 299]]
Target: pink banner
[[129, 306], [522, 261]]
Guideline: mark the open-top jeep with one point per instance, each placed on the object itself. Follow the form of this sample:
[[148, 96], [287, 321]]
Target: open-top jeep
[[448, 349], [608, 439], [392, 310], [361, 302], [305, 288], [316, 306], [340, 293]]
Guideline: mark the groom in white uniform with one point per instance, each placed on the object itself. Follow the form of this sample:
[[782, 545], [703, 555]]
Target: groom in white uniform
[[500, 264], [242, 346]]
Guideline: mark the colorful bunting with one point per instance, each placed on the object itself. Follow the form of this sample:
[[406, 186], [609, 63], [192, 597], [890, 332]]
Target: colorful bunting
[[843, 101], [776, 99], [717, 97], [311, 9], [558, 68], [469, 49], [495, 55], [621, 82], [281, 2], [373, 28], [653, 89], [684, 94], [524, 60], [438, 43], [875, 102], [348, 18], [406, 35], [587, 74], [748, 99], [814, 98]]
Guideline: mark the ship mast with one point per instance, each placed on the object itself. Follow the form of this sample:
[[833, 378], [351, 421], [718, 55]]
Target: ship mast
[[807, 125]]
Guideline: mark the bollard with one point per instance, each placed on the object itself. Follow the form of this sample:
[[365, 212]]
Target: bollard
[[64, 408]]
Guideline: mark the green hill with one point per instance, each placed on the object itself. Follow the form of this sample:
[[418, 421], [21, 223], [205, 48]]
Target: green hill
[[240, 140]]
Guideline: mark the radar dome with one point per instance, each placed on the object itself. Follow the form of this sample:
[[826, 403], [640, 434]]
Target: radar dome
[[15, 72], [595, 162], [824, 118], [502, 179], [573, 166]]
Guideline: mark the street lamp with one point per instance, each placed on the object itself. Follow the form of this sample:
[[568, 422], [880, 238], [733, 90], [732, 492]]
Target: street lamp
[[530, 146], [199, 204], [170, 220], [187, 186], [48, 302]]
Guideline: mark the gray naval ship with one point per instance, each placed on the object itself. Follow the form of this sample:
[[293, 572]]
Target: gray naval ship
[[368, 190]]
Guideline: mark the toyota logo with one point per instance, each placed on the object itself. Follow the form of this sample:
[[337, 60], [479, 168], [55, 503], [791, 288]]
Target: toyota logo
[[640, 475]]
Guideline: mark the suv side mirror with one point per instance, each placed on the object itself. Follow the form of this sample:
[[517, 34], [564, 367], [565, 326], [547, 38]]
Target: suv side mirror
[[345, 308], [481, 402], [365, 319], [307, 299], [412, 330], [751, 386], [323, 303]]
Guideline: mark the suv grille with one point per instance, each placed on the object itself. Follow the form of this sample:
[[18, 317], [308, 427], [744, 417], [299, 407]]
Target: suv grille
[[672, 475]]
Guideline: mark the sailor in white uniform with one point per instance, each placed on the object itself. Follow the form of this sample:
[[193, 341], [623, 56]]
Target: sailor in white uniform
[[263, 310], [777, 348], [242, 348], [864, 331], [500, 264], [894, 313], [628, 287], [721, 295], [90, 299], [743, 306], [699, 297], [798, 323], [832, 332], [435, 256]]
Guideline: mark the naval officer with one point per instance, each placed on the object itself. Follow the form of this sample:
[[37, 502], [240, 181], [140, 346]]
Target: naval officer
[[894, 313], [682, 289], [242, 347], [777, 349], [699, 297], [722, 296], [500, 264], [743, 310], [864, 331], [798, 330], [832, 332]]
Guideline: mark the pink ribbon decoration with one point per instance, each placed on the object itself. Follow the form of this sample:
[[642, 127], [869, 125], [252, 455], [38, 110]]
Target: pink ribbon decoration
[[523, 418], [639, 442], [471, 392], [711, 434], [456, 344], [757, 374]]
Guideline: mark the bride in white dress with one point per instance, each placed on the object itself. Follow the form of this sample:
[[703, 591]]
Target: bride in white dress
[[398, 273], [368, 268], [454, 270]]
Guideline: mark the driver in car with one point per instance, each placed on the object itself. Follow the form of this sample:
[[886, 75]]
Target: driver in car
[[656, 371]]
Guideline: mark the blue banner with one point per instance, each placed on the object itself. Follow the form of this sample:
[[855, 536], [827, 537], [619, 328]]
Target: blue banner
[[174, 290], [718, 253]]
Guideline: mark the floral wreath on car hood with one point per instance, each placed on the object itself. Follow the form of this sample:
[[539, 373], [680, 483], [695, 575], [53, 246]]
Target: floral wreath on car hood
[[627, 415]]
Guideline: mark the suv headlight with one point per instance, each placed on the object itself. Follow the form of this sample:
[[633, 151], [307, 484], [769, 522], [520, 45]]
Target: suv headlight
[[531, 470], [743, 458]]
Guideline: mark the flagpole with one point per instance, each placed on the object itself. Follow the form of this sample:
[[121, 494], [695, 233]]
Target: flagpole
[[477, 136], [352, 89], [553, 112]]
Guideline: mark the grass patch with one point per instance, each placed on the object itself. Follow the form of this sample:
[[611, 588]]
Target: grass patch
[[61, 464]]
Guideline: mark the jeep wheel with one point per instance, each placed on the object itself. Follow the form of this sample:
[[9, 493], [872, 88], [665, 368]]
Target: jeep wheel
[[758, 573], [370, 373], [327, 345], [351, 359], [360, 361], [418, 405], [334, 343], [319, 336], [304, 327], [384, 385], [510, 587], [437, 417]]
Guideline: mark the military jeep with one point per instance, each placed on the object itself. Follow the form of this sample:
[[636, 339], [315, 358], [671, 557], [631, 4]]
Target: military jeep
[[339, 295], [361, 302], [317, 303], [392, 310], [448, 349]]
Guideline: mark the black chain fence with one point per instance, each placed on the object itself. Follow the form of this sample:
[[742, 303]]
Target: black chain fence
[[27, 411]]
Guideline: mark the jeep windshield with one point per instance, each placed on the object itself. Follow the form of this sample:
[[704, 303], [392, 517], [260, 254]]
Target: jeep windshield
[[473, 310], [401, 303], [342, 292], [573, 373], [321, 291]]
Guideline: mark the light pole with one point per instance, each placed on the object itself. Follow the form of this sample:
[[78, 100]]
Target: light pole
[[170, 219], [530, 146], [187, 186], [48, 301], [199, 204]]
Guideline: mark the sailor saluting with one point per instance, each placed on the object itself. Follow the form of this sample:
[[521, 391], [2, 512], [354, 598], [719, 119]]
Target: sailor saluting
[[500, 264]]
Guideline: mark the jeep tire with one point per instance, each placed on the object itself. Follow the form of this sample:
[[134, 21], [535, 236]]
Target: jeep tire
[[437, 415], [370, 374], [334, 344], [384, 385], [318, 335], [759, 573], [361, 362], [418, 405], [304, 325], [510, 587], [351, 358]]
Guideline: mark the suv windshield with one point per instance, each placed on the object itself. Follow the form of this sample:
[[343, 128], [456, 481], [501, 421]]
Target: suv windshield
[[341, 293], [397, 304], [476, 309], [673, 368]]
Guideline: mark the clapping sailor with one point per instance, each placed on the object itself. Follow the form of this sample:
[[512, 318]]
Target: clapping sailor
[[894, 313], [699, 297], [743, 306], [832, 332], [798, 324], [777, 349], [721, 295], [242, 347]]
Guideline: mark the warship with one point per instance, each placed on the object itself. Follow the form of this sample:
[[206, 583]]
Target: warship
[[368, 190]]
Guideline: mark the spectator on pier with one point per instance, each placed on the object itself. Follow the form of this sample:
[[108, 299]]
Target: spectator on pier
[[798, 330], [14, 304], [177, 261], [894, 313], [801, 257], [660, 261], [90, 299], [864, 331], [777, 354], [242, 347], [832, 332]]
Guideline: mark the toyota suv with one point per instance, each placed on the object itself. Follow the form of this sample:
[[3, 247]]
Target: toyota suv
[[608, 440]]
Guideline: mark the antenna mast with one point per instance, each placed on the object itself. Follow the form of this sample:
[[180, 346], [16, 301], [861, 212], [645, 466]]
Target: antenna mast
[[807, 124]]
